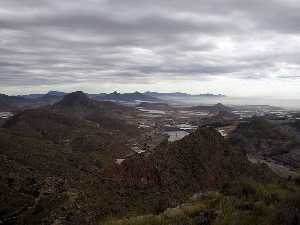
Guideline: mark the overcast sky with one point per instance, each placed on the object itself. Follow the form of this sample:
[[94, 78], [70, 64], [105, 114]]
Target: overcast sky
[[234, 47]]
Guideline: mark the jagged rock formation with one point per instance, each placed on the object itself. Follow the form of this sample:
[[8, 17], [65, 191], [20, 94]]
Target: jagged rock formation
[[126, 97], [201, 159]]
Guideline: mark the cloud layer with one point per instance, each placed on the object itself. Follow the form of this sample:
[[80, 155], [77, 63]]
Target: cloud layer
[[104, 44]]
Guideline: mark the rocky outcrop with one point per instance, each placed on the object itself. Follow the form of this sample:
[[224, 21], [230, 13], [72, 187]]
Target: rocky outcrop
[[201, 160]]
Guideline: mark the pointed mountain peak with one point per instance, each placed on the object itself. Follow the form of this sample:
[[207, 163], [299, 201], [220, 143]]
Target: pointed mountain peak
[[77, 98]]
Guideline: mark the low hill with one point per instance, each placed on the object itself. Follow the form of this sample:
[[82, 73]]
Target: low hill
[[105, 114], [262, 138], [79, 102], [212, 109]]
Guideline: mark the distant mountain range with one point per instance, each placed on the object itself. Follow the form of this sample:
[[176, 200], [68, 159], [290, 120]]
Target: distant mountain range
[[11, 103], [126, 97], [134, 96], [50, 93]]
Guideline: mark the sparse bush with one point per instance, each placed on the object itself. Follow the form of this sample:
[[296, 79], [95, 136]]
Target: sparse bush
[[99, 164]]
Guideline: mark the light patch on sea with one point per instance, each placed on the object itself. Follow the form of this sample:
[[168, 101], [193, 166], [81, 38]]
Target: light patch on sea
[[152, 111], [291, 104], [176, 135], [186, 126], [193, 113]]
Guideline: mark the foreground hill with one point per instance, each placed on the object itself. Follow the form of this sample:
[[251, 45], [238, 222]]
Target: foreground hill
[[245, 202], [47, 181], [40, 180], [58, 165]]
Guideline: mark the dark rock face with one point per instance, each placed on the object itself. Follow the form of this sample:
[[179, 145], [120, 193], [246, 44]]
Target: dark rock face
[[73, 100], [75, 97]]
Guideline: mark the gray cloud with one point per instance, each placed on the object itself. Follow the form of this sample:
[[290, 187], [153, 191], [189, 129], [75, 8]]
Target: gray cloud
[[112, 41]]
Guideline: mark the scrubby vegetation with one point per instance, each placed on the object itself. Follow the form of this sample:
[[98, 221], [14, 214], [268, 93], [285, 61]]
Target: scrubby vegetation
[[243, 202]]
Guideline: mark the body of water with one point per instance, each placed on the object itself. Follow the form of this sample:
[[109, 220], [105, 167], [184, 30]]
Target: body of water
[[237, 101]]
